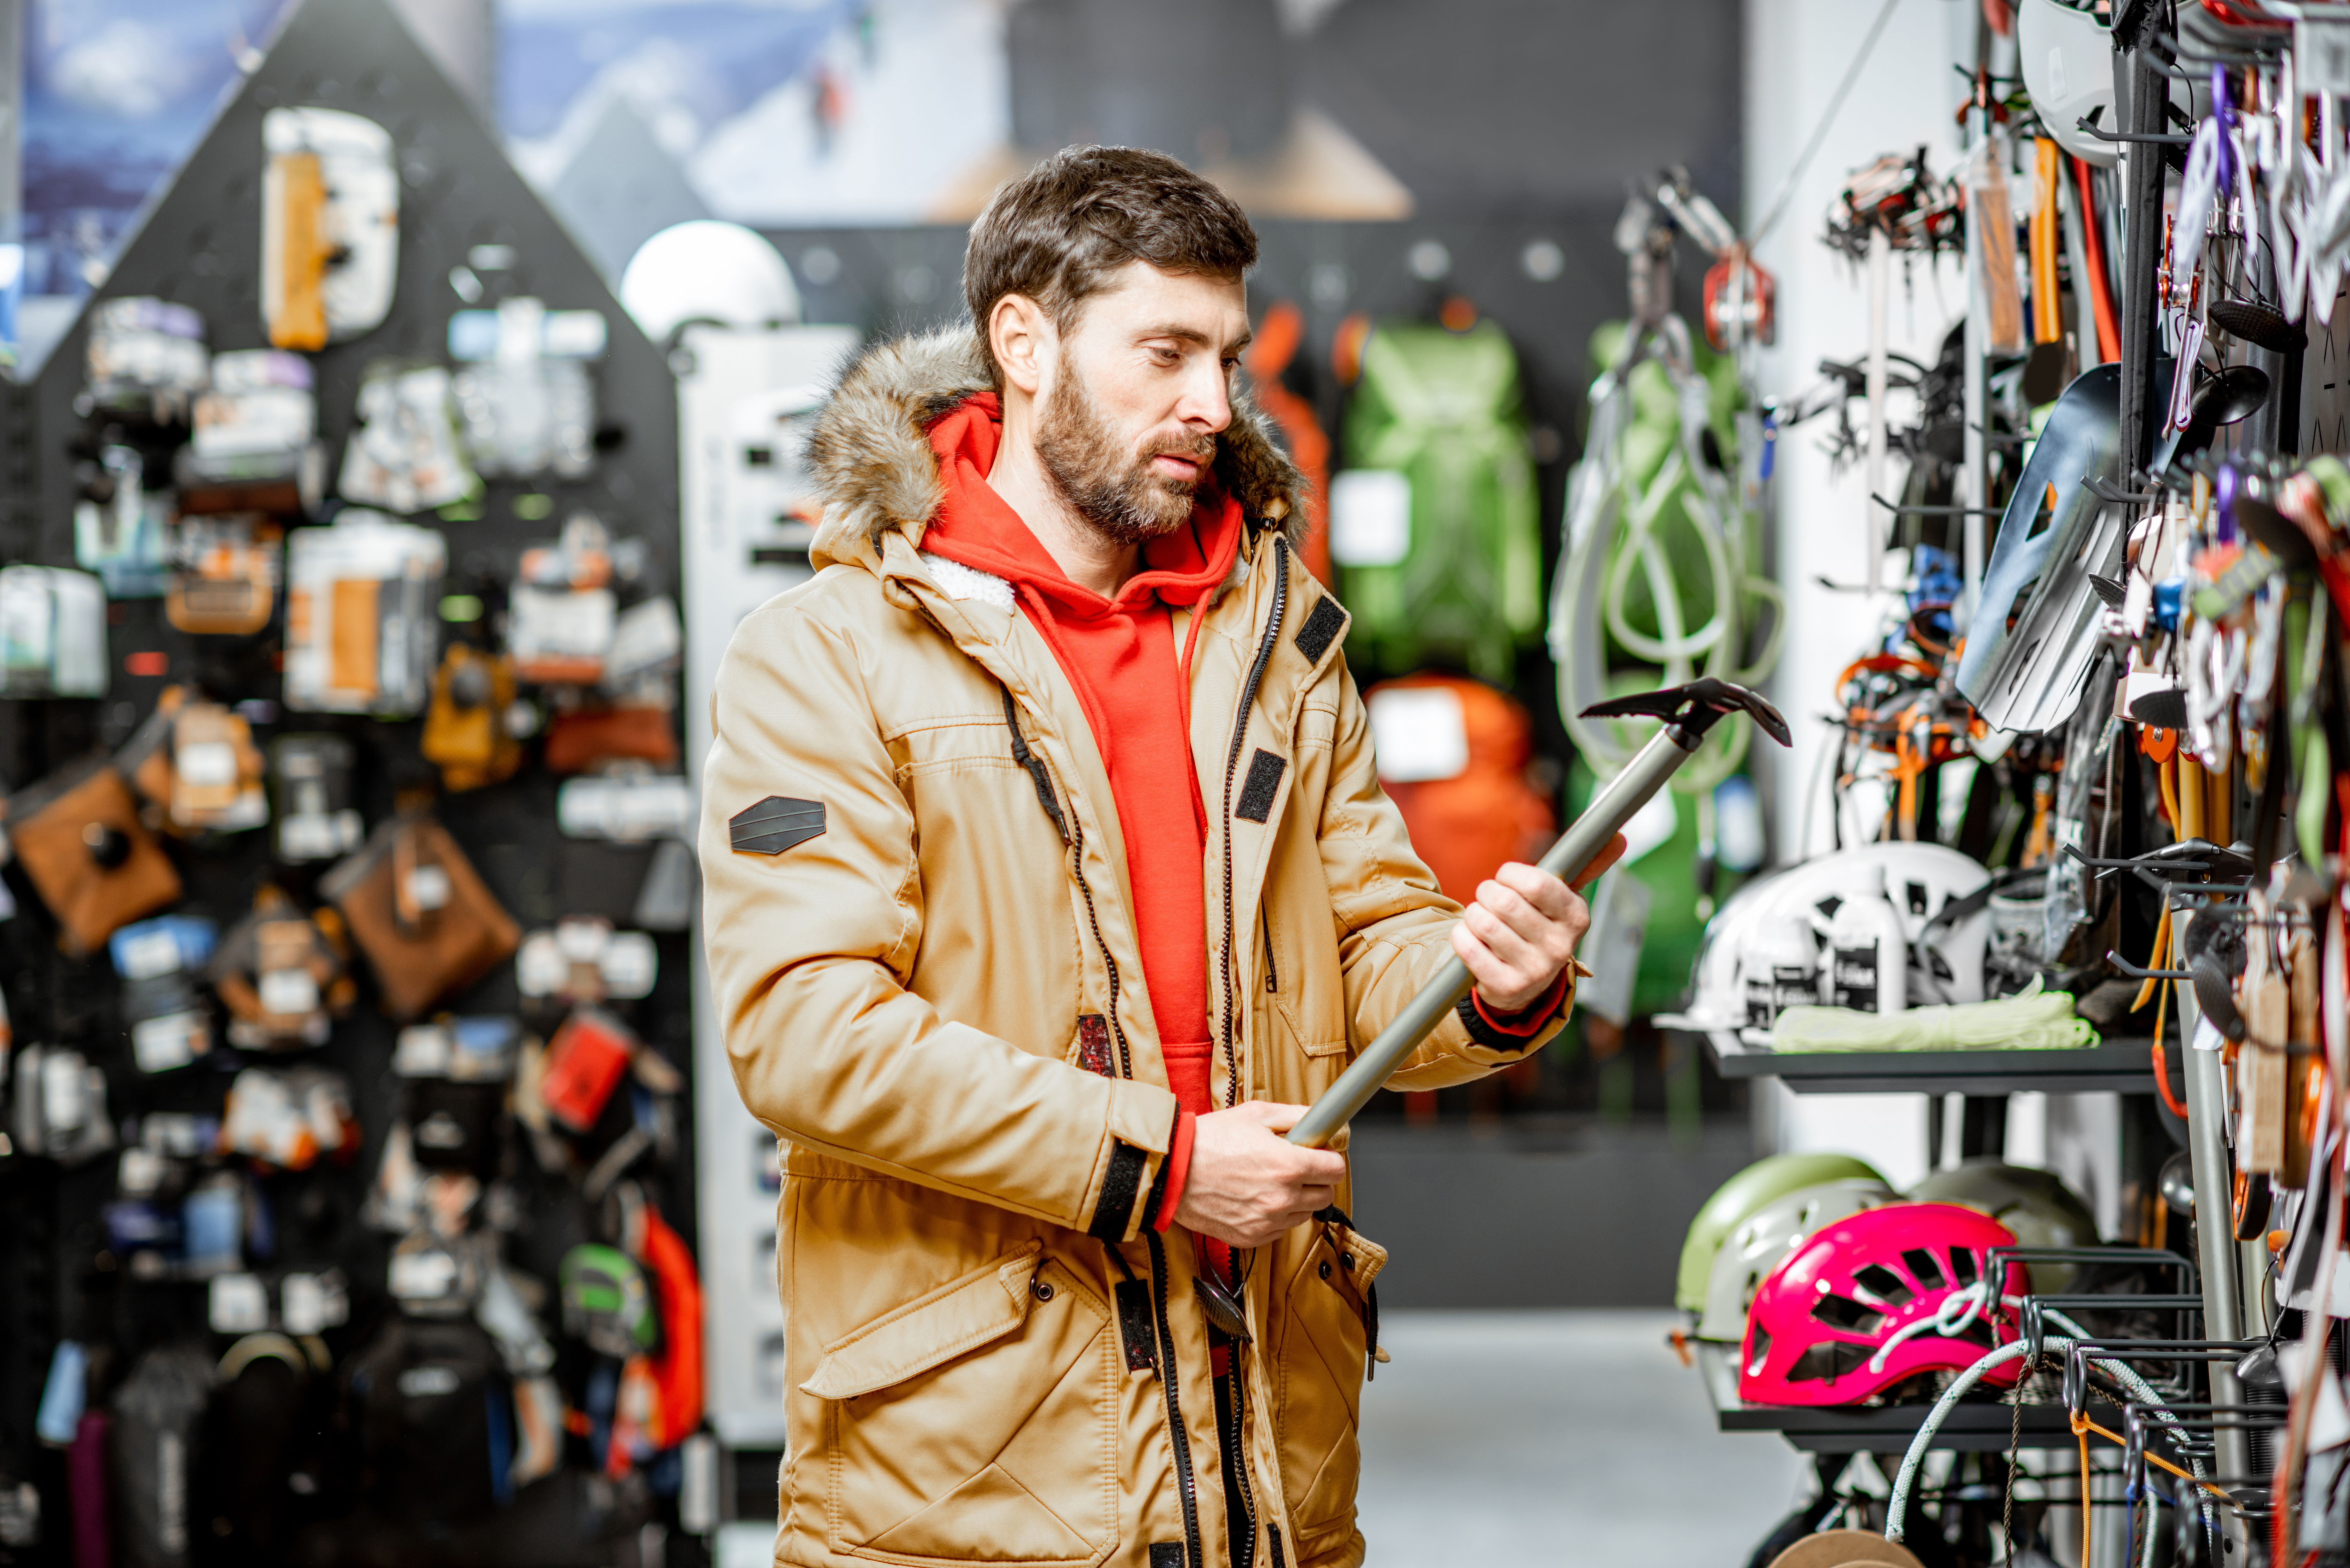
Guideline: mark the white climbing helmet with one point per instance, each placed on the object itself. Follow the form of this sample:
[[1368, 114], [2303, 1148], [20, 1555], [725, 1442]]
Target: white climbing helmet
[[1755, 1247], [707, 270]]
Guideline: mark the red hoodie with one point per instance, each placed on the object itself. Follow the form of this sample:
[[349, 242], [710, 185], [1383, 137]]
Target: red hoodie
[[1119, 655]]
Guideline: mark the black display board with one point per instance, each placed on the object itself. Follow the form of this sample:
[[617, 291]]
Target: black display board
[[462, 206]]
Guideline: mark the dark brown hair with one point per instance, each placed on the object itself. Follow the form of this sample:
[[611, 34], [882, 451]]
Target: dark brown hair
[[1058, 232]]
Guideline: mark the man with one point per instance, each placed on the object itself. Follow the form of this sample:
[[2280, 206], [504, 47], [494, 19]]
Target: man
[[1048, 878]]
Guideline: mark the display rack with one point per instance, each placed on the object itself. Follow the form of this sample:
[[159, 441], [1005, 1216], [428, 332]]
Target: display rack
[[467, 223], [1973, 1426], [2125, 1066]]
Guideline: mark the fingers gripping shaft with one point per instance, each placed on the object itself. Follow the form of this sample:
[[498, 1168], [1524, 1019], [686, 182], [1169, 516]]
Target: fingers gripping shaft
[[1688, 712]]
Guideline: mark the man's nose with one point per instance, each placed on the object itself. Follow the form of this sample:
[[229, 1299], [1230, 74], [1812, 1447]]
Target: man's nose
[[1207, 400]]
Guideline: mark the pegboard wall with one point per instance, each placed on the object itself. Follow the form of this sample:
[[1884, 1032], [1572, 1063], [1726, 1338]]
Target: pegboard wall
[[466, 221]]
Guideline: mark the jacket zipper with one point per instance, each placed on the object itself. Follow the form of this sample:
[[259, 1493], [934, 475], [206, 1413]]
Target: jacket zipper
[[1093, 919], [1238, 1491], [1272, 973], [1236, 1465], [1187, 1485], [1232, 769], [1073, 833]]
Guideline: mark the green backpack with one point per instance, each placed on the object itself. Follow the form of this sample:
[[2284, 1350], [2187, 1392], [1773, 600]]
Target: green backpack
[[1437, 432]]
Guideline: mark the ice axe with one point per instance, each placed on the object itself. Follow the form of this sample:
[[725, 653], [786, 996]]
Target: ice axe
[[1688, 712]]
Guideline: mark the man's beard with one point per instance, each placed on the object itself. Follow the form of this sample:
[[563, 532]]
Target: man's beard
[[1114, 489]]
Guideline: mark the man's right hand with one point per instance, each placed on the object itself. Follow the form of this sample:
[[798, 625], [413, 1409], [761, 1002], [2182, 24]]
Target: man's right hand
[[1248, 1184]]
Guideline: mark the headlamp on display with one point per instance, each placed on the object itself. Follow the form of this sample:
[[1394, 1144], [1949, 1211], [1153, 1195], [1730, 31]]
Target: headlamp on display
[[329, 226]]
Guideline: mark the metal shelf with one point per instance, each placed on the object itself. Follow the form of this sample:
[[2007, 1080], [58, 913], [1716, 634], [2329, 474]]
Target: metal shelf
[[1973, 1426], [2126, 1065]]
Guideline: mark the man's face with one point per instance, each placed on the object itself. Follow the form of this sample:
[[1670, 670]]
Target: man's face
[[1135, 396]]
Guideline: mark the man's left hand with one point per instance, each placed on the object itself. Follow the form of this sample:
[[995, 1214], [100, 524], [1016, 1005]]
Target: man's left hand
[[1520, 934]]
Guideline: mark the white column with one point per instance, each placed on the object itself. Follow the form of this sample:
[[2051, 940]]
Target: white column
[[1796, 53]]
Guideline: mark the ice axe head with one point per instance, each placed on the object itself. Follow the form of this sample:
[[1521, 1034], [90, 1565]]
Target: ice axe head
[[1693, 709]]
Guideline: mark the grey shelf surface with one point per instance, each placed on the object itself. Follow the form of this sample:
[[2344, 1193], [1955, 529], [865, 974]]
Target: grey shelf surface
[[1973, 1426], [2123, 1065]]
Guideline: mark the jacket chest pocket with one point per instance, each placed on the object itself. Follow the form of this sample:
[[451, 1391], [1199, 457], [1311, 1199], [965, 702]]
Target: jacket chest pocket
[[957, 1423], [1325, 1344]]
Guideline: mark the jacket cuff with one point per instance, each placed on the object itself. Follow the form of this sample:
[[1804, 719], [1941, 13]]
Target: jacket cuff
[[1121, 1184], [1167, 1195], [1513, 1031], [1140, 1128]]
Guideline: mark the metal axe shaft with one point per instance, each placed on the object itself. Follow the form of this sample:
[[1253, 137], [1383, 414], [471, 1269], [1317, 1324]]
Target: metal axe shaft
[[1615, 806]]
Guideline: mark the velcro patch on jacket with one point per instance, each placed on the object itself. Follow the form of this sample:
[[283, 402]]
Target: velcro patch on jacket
[[1121, 1184], [1093, 1045], [775, 824], [1135, 1327], [1256, 791], [1167, 1555], [1321, 628]]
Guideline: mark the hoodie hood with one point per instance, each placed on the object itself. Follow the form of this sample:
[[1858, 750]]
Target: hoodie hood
[[877, 473]]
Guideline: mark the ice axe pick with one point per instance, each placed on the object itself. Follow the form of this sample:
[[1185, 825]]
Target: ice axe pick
[[1688, 712]]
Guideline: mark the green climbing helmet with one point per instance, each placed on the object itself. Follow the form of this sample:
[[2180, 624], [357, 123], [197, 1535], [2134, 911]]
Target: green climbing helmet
[[1739, 1198], [2036, 1205], [607, 1301]]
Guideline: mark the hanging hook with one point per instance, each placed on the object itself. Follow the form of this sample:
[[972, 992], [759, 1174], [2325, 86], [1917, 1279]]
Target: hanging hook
[[2134, 972]]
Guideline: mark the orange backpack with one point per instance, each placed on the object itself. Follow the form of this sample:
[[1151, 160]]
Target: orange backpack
[[1278, 338], [1465, 826]]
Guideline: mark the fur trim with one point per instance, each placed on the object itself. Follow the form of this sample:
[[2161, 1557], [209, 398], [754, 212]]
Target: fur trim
[[870, 451]]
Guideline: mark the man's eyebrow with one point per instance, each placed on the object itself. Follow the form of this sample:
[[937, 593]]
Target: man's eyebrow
[[1193, 335]]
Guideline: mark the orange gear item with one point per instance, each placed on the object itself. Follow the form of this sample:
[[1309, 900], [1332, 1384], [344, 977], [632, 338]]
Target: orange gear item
[[1464, 826], [584, 1062], [677, 1369], [1278, 338], [465, 734], [1740, 299], [296, 251], [2047, 308], [2101, 292]]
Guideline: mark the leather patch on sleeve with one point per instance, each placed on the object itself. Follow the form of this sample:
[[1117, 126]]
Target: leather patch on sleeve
[[775, 824], [1121, 1184], [1321, 629], [1256, 791], [1135, 1328]]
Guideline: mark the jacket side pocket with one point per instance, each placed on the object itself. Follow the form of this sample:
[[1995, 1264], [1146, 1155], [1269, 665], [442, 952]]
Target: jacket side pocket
[[1324, 1352], [949, 1420]]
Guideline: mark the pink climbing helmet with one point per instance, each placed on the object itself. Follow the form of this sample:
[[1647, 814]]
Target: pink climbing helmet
[[1877, 1297]]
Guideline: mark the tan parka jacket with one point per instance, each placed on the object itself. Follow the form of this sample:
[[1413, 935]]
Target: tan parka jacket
[[920, 945]]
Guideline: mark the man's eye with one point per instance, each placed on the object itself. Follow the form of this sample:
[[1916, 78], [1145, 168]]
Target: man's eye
[[1165, 356]]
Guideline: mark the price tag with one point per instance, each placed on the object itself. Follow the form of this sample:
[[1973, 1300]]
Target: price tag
[[289, 992], [428, 886], [540, 968], [423, 1276], [302, 1304], [2321, 49], [207, 765], [1370, 517], [629, 965], [174, 1040], [238, 1305], [423, 1052], [146, 951], [1418, 733]]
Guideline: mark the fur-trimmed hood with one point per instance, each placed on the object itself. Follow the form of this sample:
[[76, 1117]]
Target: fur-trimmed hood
[[875, 471]]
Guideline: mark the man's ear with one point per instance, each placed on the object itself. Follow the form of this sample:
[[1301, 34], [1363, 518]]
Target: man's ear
[[1023, 340]]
